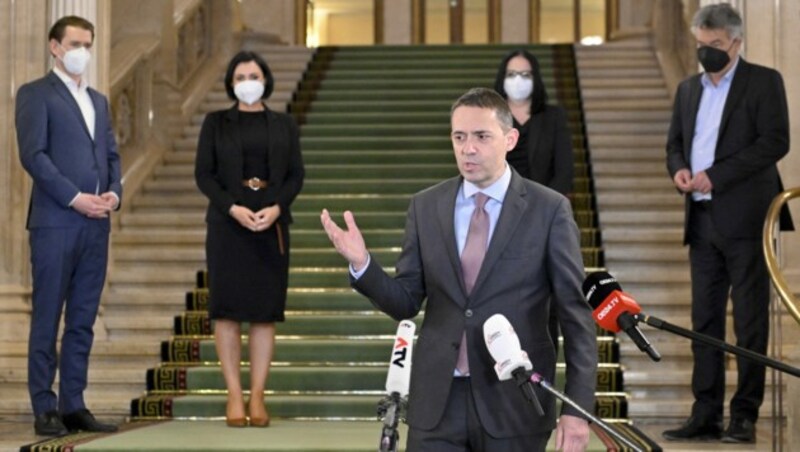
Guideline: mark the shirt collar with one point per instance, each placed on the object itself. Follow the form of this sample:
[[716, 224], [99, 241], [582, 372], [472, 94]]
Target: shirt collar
[[496, 191], [71, 84], [726, 79]]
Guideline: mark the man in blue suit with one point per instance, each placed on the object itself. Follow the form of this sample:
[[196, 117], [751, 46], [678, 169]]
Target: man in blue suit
[[67, 146]]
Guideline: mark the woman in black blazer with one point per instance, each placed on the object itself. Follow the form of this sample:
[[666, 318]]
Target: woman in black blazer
[[250, 167], [544, 150]]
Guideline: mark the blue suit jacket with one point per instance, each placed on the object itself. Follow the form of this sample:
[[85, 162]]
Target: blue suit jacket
[[57, 151]]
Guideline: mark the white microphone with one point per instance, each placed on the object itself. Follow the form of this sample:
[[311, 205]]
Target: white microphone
[[399, 376], [503, 344]]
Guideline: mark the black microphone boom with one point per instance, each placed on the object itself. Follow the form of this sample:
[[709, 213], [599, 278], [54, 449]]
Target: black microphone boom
[[539, 380], [627, 323], [716, 343]]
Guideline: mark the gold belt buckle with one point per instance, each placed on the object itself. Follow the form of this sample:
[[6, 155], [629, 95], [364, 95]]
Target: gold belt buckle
[[254, 183]]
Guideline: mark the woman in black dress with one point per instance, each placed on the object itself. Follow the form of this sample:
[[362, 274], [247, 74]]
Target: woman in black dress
[[250, 167], [543, 152]]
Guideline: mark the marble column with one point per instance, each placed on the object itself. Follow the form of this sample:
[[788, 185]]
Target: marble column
[[397, 22], [23, 29]]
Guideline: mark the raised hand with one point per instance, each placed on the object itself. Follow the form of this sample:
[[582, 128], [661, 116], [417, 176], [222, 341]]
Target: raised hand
[[350, 243]]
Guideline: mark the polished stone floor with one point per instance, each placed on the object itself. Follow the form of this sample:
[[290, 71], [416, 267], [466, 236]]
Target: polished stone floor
[[16, 432]]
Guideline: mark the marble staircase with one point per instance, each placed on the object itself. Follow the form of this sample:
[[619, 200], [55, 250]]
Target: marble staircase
[[627, 108], [154, 255]]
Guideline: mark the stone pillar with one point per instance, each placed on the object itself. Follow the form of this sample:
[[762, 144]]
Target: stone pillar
[[515, 20], [98, 13], [397, 22], [23, 29]]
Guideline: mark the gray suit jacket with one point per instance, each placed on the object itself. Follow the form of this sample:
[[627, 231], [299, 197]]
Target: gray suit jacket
[[534, 253]]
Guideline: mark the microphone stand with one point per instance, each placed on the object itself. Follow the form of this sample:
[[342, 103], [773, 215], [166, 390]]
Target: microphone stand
[[718, 344], [391, 409], [539, 380]]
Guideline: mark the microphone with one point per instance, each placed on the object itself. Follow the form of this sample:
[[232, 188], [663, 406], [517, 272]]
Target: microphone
[[391, 409], [510, 360], [503, 344], [399, 376], [614, 310]]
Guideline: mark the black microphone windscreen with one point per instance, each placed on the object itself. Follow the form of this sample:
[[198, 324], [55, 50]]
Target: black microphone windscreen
[[598, 286]]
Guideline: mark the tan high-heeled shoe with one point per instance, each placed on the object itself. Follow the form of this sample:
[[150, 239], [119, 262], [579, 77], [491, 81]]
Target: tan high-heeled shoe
[[235, 421], [256, 421]]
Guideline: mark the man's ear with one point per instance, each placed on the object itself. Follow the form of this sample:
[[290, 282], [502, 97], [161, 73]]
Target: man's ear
[[512, 136], [53, 47]]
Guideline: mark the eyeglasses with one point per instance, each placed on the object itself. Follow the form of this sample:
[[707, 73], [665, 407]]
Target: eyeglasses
[[523, 74]]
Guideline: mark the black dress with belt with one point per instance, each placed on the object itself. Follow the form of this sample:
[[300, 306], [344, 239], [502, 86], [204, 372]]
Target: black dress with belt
[[248, 271]]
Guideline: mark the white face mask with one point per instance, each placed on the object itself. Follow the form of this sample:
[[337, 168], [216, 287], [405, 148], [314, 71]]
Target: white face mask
[[518, 88], [249, 91], [76, 60]]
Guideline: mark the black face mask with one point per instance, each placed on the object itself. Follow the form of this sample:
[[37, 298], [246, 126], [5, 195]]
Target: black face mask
[[713, 59]]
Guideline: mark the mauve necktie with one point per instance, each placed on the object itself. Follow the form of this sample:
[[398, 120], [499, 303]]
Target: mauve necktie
[[471, 260]]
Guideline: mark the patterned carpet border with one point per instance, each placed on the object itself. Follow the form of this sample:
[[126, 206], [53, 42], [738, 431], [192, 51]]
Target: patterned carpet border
[[68, 443]]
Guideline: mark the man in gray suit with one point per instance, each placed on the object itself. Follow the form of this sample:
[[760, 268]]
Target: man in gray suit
[[532, 255]]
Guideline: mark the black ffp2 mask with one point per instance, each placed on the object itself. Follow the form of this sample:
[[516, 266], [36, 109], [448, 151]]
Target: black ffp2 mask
[[713, 59]]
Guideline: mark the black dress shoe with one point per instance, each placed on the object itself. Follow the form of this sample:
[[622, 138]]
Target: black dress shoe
[[695, 429], [49, 424], [740, 431], [83, 420]]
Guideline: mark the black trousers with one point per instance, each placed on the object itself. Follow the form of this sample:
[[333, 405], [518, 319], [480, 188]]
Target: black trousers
[[460, 430], [721, 266]]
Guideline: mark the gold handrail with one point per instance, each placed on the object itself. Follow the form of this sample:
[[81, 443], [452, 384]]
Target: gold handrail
[[775, 274]]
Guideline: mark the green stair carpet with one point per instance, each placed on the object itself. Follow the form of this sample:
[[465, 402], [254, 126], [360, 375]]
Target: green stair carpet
[[374, 130]]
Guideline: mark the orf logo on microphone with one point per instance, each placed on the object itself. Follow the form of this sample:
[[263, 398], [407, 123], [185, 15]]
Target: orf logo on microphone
[[609, 306]]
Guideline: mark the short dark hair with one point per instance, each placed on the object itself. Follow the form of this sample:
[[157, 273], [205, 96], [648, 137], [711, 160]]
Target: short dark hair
[[721, 16], [59, 28], [539, 95], [246, 56], [486, 98]]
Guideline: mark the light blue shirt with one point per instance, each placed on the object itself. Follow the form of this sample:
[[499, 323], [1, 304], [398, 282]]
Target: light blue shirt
[[706, 126], [465, 204]]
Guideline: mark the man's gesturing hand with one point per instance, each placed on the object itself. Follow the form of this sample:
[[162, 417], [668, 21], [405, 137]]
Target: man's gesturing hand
[[350, 243]]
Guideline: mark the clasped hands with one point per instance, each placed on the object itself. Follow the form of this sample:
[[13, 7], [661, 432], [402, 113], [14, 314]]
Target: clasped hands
[[255, 221], [95, 206], [686, 183]]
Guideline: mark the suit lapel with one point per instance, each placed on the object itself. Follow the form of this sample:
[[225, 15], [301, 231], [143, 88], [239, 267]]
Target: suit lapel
[[514, 205], [534, 125], [695, 93], [736, 92], [234, 136], [63, 91], [445, 207]]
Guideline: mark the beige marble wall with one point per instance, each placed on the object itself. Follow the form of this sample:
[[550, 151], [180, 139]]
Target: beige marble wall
[[272, 17], [770, 40], [23, 29]]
